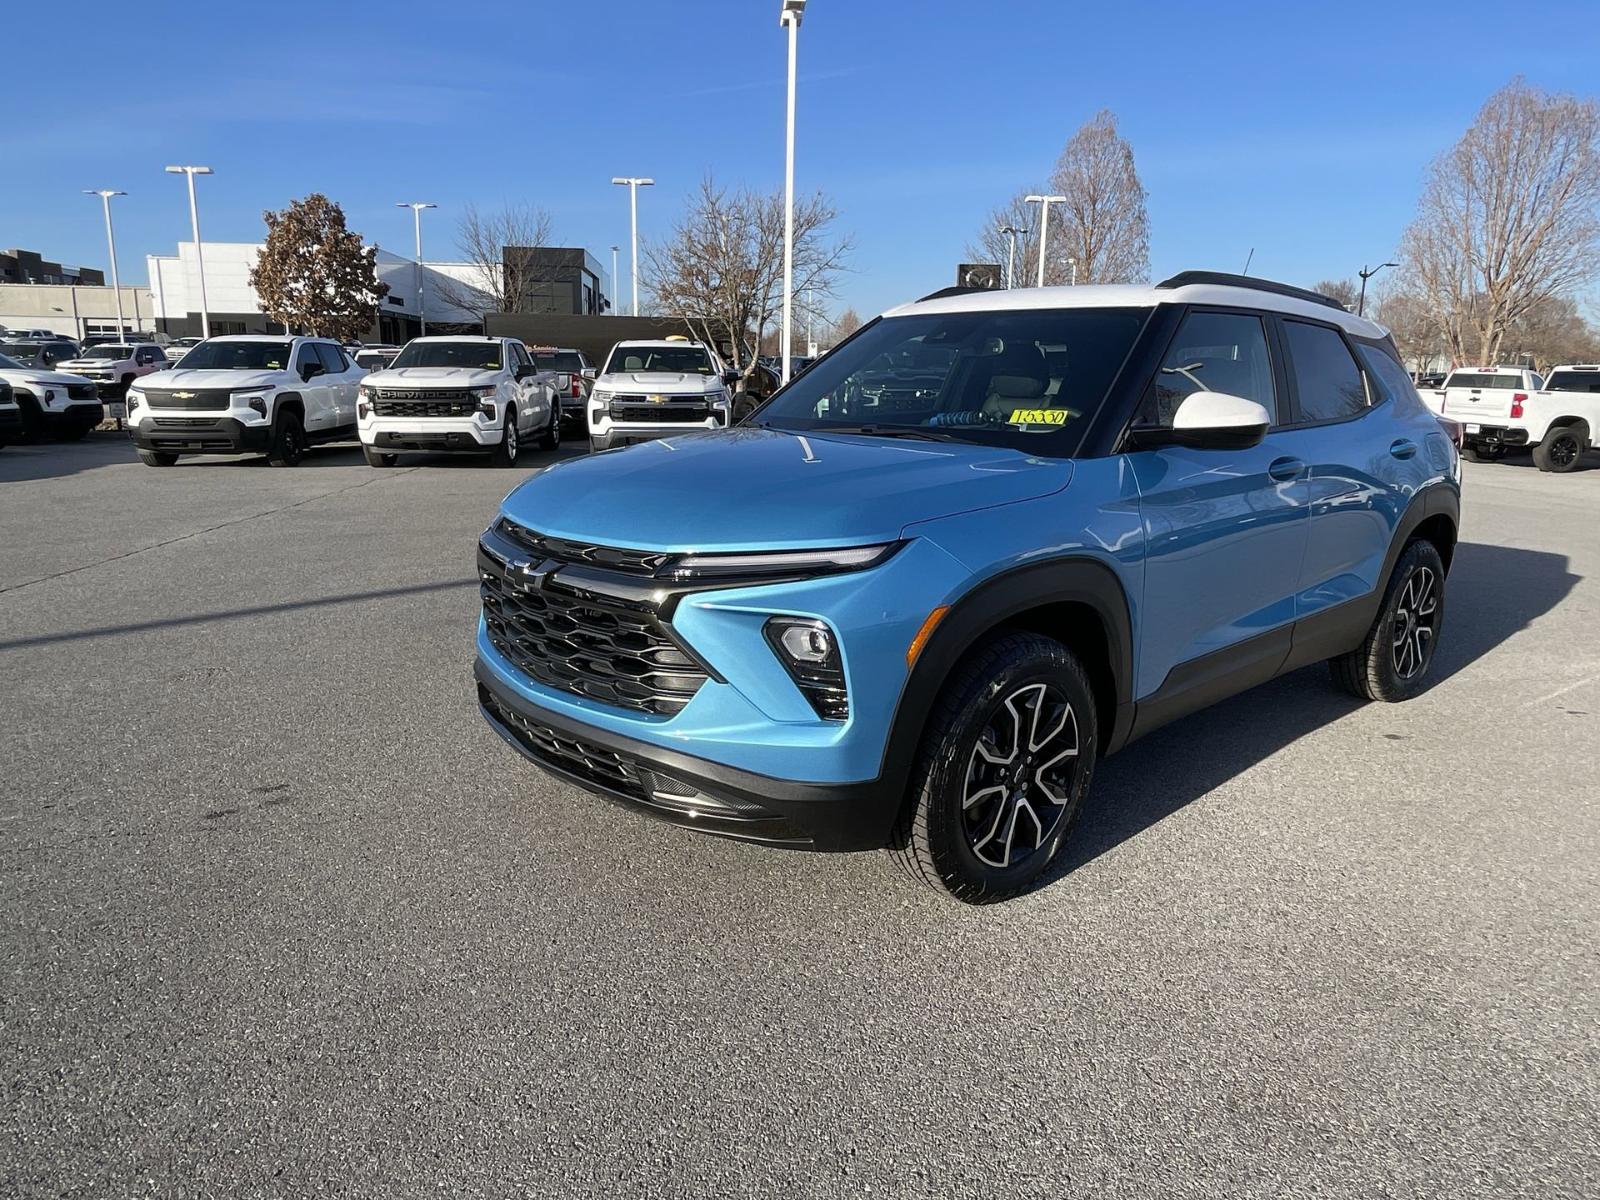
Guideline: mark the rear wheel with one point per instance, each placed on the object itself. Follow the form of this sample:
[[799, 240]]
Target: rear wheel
[[1562, 448], [1002, 771], [377, 458], [288, 441], [550, 439], [1392, 661], [1479, 452], [505, 454], [158, 458]]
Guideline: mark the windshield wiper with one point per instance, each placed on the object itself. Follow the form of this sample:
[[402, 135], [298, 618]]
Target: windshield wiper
[[892, 431]]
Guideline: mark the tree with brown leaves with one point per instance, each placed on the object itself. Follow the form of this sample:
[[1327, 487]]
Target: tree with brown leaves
[[315, 273]]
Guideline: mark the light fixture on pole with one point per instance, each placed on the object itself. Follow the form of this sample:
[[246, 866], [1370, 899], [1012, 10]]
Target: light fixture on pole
[[416, 207], [633, 183], [1011, 232], [789, 17], [1367, 273], [105, 195], [199, 256], [1044, 203], [616, 290]]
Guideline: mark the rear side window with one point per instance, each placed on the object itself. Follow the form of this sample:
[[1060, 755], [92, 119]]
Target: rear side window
[[1328, 384], [1389, 376], [1574, 381], [1213, 352], [1482, 379]]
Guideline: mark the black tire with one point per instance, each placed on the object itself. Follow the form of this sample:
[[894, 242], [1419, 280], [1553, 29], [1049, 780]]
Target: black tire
[[32, 420], [510, 447], [288, 440], [1481, 453], [75, 433], [1392, 662], [550, 439], [1562, 449], [947, 834], [158, 458], [378, 458]]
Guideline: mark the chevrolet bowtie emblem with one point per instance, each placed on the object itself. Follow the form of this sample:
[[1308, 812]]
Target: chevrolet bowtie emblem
[[534, 574], [183, 395], [656, 399]]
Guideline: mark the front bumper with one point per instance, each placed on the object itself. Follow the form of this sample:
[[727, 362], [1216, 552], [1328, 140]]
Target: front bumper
[[188, 434], [430, 434], [689, 791]]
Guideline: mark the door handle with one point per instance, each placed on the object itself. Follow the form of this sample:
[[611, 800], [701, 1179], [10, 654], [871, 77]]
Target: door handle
[[1402, 448], [1285, 469]]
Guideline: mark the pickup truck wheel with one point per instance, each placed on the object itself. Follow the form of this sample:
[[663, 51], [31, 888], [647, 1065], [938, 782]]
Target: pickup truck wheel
[[1562, 449], [505, 454], [377, 458], [1482, 453], [1392, 662], [550, 439], [158, 458], [1002, 771], [288, 441]]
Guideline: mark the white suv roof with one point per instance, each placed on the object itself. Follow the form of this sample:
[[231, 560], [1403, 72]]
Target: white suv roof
[[664, 343], [1177, 290]]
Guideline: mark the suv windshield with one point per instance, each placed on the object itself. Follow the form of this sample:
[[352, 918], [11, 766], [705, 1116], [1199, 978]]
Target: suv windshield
[[10, 364], [571, 363], [1033, 380], [237, 356], [111, 352], [680, 360], [1574, 381], [476, 356], [24, 352]]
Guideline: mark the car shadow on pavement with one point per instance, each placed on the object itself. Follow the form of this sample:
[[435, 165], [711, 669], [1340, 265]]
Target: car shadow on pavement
[[1494, 593], [22, 462]]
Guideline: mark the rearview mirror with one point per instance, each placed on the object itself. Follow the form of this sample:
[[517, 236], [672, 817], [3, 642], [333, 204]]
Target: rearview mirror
[[731, 377], [588, 372], [1208, 421]]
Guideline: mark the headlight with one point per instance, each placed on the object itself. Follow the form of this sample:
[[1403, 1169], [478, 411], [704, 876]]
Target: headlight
[[600, 396], [366, 393], [134, 399], [782, 563]]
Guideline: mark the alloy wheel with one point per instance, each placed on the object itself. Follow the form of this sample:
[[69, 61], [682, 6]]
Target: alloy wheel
[[1415, 623], [1564, 450], [511, 441], [1020, 776]]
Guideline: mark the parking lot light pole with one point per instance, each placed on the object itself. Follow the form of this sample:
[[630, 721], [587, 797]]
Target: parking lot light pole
[[789, 17], [1367, 273], [1011, 232], [634, 183], [105, 195], [1044, 203], [616, 298], [199, 256], [1074, 264], [416, 207]]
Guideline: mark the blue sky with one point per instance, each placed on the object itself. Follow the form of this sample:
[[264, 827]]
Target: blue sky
[[1300, 130]]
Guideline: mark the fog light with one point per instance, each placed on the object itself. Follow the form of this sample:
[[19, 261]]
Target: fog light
[[809, 651]]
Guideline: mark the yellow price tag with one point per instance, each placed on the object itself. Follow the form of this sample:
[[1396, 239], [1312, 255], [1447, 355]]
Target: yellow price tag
[[1039, 416]]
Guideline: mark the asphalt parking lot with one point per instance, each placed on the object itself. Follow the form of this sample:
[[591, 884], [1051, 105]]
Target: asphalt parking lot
[[283, 917]]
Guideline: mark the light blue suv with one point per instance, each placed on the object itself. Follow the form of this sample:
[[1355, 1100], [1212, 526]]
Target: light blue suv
[[988, 539]]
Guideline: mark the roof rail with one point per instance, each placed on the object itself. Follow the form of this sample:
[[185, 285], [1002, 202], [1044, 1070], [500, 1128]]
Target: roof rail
[[958, 290], [1223, 279]]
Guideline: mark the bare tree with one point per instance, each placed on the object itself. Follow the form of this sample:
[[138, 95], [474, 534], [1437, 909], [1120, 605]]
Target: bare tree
[[1551, 333], [994, 246], [721, 269], [491, 284], [1102, 224], [1414, 325], [1342, 290], [1508, 218], [843, 326], [314, 273]]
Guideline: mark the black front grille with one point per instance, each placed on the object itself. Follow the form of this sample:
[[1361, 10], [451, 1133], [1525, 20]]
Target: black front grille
[[603, 650], [658, 414], [633, 562], [197, 398], [183, 422], [82, 391], [408, 394], [458, 407]]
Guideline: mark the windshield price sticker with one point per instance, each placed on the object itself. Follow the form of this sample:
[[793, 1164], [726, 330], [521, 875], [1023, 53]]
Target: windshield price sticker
[[1038, 416]]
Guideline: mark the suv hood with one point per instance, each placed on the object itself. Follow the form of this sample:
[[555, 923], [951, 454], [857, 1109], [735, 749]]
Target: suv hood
[[660, 382], [760, 488], [431, 377], [94, 364], [234, 381], [59, 378]]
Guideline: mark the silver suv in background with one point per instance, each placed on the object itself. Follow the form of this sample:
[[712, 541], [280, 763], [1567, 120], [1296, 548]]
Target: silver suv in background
[[652, 389], [574, 378]]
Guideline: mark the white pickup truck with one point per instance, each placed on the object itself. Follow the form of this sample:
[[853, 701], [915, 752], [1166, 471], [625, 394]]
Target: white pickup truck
[[1505, 408]]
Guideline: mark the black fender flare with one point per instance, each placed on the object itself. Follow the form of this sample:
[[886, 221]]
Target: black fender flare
[[1438, 499], [991, 605], [286, 398]]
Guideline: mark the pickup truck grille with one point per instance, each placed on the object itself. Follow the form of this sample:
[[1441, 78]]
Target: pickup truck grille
[[457, 406], [82, 391], [204, 399], [603, 650], [638, 409]]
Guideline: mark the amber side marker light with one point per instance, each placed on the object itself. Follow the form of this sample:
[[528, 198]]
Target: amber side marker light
[[924, 633]]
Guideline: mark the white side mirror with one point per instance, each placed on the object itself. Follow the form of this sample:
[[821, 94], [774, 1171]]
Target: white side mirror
[[1219, 421]]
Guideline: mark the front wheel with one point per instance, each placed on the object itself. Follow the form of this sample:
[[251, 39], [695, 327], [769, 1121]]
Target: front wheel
[[158, 458], [1392, 662], [1002, 771], [505, 454], [377, 458], [1561, 449], [288, 441], [1482, 453]]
